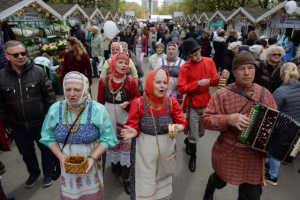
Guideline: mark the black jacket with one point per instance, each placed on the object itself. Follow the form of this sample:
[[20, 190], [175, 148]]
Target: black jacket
[[128, 38], [230, 39], [192, 34], [26, 97], [8, 34], [219, 46], [200, 42], [227, 64], [80, 35], [160, 33]]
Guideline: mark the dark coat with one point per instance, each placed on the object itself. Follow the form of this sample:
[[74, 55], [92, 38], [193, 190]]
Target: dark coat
[[160, 33], [8, 34], [25, 98], [268, 77], [230, 39], [200, 42], [227, 64], [219, 46], [192, 34]]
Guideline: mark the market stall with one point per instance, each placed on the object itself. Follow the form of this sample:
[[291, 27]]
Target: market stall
[[244, 20], [108, 16], [94, 17], [116, 17], [194, 18], [205, 19], [72, 14], [279, 22], [33, 22], [219, 19]]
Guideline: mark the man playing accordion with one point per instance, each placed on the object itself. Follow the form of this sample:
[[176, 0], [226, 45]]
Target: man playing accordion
[[233, 161]]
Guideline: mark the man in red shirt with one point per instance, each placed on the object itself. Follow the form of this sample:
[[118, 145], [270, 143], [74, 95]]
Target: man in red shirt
[[195, 77]]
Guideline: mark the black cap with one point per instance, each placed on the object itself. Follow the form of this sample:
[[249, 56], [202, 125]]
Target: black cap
[[190, 45]]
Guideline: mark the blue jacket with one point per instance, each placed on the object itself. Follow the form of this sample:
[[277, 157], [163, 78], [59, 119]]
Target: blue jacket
[[199, 31], [287, 99]]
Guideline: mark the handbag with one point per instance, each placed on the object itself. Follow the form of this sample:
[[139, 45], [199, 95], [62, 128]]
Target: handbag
[[165, 166], [55, 170]]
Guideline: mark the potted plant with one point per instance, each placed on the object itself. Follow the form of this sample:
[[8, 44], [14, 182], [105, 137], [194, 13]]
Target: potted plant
[[58, 88]]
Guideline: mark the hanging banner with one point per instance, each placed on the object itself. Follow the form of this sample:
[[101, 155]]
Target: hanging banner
[[285, 21], [31, 14]]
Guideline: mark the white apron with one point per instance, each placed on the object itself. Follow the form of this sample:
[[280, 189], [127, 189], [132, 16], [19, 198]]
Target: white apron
[[121, 152], [146, 188], [74, 186]]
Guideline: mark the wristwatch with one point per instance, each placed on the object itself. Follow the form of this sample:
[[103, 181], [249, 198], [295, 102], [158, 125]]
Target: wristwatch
[[90, 156]]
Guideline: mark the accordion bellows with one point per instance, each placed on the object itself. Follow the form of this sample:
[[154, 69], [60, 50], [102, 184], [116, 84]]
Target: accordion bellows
[[272, 132], [76, 164]]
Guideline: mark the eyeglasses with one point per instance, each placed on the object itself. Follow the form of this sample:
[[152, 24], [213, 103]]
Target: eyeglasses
[[279, 55], [15, 55]]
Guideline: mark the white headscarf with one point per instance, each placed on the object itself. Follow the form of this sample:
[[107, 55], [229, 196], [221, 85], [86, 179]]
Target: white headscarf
[[114, 43], [76, 77]]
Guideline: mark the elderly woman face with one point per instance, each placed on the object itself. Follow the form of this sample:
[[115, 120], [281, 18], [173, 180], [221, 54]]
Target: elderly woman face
[[124, 47], [275, 56], [121, 66], [236, 50], [160, 87], [73, 92], [115, 49], [171, 51]]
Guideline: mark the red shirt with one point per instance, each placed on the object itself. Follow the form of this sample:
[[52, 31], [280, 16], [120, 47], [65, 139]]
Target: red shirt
[[137, 111], [83, 66], [131, 88], [189, 75]]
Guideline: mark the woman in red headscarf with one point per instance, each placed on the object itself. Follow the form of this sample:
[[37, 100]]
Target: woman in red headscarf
[[116, 91], [149, 118]]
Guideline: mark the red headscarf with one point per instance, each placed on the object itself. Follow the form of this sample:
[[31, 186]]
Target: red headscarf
[[115, 58], [149, 90]]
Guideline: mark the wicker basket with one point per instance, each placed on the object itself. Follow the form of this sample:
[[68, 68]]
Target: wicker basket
[[76, 165]]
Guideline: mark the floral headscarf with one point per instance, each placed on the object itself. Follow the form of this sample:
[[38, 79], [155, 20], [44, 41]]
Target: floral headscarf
[[115, 58], [77, 77]]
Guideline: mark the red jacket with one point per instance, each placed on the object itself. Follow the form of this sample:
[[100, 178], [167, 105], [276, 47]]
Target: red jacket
[[83, 66], [189, 75]]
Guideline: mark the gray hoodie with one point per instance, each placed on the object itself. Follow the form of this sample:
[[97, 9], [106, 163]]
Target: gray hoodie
[[175, 36]]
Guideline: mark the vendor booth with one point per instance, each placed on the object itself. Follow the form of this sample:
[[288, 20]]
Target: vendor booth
[[279, 22], [219, 19], [244, 20], [94, 17], [205, 19], [72, 14], [33, 22]]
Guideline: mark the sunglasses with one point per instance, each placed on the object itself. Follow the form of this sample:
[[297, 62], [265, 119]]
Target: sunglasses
[[279, 55], [15, 55], [206, 33]]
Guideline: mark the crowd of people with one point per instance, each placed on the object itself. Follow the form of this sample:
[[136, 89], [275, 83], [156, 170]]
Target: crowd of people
[[128, 122]]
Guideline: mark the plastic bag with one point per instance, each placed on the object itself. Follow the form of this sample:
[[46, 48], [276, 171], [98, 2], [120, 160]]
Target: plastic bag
[[101, 62]]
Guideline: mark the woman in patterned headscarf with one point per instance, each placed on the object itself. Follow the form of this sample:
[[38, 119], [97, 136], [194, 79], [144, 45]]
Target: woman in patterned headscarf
[[91, 135], [116, 91], [140, 126]]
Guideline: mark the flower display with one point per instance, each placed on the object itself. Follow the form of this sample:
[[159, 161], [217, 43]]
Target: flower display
[[27, 31], [59, 70]]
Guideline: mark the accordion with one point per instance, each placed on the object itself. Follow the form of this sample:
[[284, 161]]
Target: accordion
[[272, 132]]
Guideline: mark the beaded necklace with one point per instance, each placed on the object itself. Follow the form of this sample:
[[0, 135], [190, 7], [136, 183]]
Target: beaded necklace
[[111, 88], [77, 123], [172, 65]]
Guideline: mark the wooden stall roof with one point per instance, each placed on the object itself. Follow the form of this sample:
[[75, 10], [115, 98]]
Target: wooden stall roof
[[62, 9], [7, 4], [104, 13], [89, 11], [256, 12], [226, 13], [209, 15]]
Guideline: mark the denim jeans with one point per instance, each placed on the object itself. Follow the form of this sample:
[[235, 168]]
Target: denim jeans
[[274, 167], [152, 50], [95, 68], [25, 142]]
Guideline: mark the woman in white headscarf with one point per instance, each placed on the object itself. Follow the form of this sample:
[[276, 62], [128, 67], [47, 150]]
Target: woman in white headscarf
[[92, 134], [117, 48], [172, 64], [160, 47]]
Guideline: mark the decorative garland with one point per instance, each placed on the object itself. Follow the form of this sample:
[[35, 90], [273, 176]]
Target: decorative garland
[[76, 12], [96, 15], [39, 8]]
